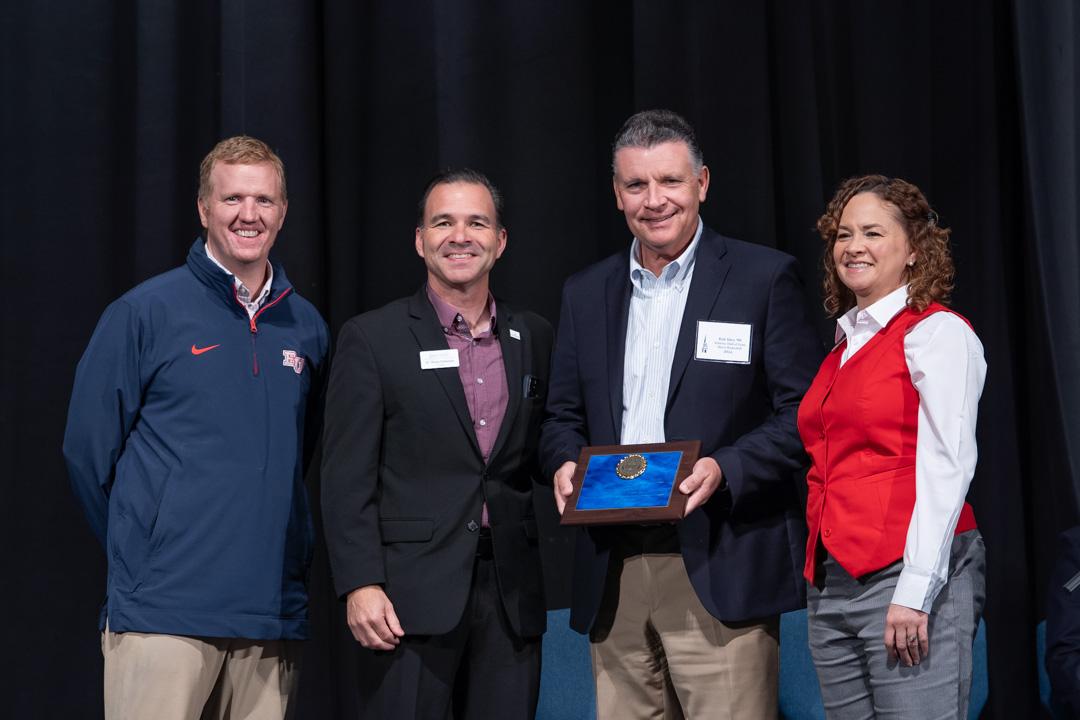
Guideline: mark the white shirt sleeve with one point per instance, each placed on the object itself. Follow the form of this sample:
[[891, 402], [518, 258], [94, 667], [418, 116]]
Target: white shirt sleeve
[[945, 359]]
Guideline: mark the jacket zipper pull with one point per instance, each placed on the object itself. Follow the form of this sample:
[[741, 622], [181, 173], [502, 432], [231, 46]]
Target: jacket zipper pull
[[254, 354]]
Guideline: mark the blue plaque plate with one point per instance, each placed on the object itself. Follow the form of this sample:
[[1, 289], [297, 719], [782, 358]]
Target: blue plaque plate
[[626, 484], [604, 489]]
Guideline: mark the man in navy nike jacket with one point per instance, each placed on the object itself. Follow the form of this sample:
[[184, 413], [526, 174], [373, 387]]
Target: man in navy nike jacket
[[185, 444]]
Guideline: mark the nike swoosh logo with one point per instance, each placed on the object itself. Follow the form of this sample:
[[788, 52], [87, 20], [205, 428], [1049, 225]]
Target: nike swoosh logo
[[200, 351]]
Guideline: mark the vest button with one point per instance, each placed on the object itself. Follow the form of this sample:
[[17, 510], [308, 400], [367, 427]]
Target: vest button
[[828, 532], [472, 526]]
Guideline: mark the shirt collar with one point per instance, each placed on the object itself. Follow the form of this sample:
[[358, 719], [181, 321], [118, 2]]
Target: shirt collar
[[675, 271], [242, 290], [450, 317], [876, 315]]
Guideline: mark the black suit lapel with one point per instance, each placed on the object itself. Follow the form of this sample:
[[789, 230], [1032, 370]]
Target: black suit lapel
[[512, 351], [617, 297], [710, 270], [429, 335]]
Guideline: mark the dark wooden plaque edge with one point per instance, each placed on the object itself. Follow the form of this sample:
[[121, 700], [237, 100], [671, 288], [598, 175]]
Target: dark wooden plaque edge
[[675, 508]]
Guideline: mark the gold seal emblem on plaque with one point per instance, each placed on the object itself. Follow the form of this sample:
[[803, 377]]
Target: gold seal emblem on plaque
[[631, 466]]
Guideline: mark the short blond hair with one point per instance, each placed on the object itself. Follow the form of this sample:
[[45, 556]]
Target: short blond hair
[[239, 150]]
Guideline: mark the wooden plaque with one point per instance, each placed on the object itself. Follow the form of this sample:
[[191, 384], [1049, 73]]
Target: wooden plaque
[[630, 484]]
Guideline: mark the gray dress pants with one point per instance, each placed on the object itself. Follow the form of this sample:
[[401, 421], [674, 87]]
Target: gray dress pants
[[846, 623]]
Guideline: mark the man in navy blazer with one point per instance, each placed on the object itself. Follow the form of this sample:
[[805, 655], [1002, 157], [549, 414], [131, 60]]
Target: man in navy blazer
[[688, 336]]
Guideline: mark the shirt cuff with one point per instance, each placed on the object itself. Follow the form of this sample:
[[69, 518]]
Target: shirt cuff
[[913, 589]]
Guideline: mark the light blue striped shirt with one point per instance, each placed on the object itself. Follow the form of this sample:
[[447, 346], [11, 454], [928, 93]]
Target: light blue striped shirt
[[656, 310]]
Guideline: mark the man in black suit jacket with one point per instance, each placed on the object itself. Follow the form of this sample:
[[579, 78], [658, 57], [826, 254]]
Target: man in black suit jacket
[[688, 336], [426, 493]]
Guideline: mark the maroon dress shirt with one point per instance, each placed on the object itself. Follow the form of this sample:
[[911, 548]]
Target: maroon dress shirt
[[481, 369]]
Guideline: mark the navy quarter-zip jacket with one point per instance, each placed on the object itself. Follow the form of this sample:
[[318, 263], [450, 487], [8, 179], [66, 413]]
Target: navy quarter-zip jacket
[[185, 446]]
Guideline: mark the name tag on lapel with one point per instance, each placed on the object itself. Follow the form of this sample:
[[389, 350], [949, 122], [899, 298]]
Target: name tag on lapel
[[435, 359], [515, 334], [723, 342]]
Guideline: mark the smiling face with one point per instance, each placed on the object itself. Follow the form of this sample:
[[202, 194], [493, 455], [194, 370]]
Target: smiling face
[[659, 191], [242, 213], [459, 238], [871, 251]]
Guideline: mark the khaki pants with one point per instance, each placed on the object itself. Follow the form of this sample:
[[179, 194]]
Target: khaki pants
[[173, 677], [657, 652]]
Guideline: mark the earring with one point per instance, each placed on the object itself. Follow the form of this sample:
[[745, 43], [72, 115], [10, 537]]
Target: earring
[[911, 263]]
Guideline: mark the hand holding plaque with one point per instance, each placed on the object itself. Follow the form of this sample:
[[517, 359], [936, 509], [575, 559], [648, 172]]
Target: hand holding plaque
[[629, 484]]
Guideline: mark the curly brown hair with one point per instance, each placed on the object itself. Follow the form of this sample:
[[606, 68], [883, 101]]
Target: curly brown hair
[[931, 277]]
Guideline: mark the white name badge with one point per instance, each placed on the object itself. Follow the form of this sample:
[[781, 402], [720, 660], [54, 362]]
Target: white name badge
[[723, 342], [515, 334], [435, 359]]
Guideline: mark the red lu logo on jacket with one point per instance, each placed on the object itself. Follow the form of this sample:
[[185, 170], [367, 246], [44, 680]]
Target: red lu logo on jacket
[[291, 359]]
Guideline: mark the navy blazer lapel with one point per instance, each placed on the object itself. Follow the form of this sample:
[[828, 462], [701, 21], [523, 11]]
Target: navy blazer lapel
[[617, 298], [710, 270], [429, 335], [512, 350]]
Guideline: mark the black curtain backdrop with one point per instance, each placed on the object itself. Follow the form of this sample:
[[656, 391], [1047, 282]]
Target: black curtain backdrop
[[107, 108]]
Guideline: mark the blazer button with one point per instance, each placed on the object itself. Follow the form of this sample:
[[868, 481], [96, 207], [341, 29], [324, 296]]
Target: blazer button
[[828, 532], [472, 526]]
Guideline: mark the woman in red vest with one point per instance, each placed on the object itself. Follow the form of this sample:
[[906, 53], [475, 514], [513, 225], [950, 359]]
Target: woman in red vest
[[894, 561]]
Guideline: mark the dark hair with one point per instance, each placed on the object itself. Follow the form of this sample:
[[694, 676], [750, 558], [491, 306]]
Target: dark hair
[[931, 277], [462, 175], [239, 150], [649, 128]]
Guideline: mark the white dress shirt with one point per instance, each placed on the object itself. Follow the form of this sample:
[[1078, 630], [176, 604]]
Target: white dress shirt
[[945, 359], [652, 330]]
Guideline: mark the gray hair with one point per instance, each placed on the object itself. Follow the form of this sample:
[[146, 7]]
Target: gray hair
[[649, 128]]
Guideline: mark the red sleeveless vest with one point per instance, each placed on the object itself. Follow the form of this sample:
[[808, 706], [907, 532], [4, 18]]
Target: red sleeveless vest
[[859, 425]]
